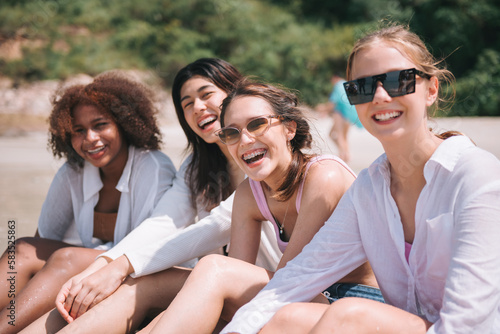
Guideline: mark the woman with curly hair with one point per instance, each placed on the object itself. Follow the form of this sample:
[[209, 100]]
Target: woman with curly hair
[[113, 177], [140, 276]]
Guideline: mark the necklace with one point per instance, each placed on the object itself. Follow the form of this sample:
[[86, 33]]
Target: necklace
[[282, 226]]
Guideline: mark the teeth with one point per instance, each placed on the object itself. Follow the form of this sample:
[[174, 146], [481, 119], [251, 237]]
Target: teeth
[[387, 116], [206, 120], [99, 149], [249, 156]]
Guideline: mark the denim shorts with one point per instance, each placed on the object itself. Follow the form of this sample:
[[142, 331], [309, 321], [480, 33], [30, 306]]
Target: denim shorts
[[341, 290]]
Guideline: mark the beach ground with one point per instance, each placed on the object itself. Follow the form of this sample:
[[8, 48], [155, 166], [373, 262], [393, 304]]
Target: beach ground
[[27, 167]]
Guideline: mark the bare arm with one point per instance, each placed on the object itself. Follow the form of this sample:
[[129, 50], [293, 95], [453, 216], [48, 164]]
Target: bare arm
[[246, 225], [317, 206]]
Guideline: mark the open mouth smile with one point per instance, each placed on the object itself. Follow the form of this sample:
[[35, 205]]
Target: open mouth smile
[[96, 150], [254, 156], [203, 123], [387, 116]]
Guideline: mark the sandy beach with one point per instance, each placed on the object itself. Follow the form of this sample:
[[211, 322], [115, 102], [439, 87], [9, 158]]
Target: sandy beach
[[27, 167]]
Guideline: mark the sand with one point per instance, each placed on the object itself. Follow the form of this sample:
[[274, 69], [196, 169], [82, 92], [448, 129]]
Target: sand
[[27, 167]]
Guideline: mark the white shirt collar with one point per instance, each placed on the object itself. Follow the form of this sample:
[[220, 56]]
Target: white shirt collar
[[92, 183], [449, 152], [447, 155]]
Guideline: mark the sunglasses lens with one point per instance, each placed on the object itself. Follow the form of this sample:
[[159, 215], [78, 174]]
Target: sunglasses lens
[[229, 135], [258, 126], [400, 83], [395, 83], [359, 91], [353, 90]]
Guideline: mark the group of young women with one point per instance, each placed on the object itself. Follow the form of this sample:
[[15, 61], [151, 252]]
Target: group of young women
[[289, 241]]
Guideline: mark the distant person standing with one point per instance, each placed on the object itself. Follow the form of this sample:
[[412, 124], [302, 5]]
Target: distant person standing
[[344, 114]]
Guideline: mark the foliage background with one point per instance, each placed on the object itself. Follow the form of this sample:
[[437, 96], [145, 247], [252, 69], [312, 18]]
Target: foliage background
[[297, 43]]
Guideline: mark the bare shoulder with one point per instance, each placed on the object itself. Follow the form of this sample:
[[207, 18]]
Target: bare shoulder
[[328, 174]]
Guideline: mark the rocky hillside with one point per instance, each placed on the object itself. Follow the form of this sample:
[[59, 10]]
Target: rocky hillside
[[26, 107]]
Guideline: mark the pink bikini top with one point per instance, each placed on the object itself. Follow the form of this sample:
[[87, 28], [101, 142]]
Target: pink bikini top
[[407, 251], [260, 198]]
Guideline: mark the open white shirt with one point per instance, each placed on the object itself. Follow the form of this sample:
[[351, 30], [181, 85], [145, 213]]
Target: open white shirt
[[453, 275], [171, 238], [74, 193]]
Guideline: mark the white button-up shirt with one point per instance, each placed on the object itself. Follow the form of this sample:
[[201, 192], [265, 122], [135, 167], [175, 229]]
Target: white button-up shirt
[[170, 237], [74, 193], [453, 275]]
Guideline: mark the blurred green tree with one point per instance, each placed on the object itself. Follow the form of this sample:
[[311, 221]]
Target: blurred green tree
[[297, 43]]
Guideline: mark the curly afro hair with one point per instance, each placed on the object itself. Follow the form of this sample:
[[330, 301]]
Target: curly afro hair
[[129, 104]]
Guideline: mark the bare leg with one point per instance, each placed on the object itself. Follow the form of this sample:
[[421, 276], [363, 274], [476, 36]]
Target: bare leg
[[31, 255], [151, 325], [296, 318], [360, 315], [39, 294], [50, 322], [338, 134], [217, 286], [124, 310], [146, 330]]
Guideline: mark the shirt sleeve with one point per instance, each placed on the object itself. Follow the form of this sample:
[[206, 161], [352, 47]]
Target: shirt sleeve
[[57, 211], [153, 176], [309, 273], [173, 211], [472, 291], [196, 240]]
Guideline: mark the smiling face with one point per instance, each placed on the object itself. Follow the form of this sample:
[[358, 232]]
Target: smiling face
[[97, 138], [386, 117], [200, 101], [266, 157]]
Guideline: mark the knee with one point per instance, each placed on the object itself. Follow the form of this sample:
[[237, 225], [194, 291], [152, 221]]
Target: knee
[[25, 252], [212, 263], [214, 270], [347, 311], [63, 259], [286, 315], [25, 245]]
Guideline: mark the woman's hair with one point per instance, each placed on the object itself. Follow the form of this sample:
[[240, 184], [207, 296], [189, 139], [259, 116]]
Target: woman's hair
[[285, 104], [412, 47], [207, 172], [128, 103]]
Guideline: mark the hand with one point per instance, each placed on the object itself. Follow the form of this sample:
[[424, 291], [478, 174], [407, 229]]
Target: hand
[[63, 293], [90, 287]]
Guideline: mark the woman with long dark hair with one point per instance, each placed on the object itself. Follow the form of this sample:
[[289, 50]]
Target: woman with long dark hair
[[267, 134], [94, 299]]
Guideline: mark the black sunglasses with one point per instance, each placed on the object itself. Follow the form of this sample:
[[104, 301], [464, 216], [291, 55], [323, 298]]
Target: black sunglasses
[[256, 127], [396, 83]]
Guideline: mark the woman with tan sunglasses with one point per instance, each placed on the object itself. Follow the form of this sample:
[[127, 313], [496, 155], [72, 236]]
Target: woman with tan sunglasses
[[266, 133]]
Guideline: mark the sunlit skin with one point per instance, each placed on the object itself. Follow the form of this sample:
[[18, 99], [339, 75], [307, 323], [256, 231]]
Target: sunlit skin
[[274, 161], [97, 139]]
